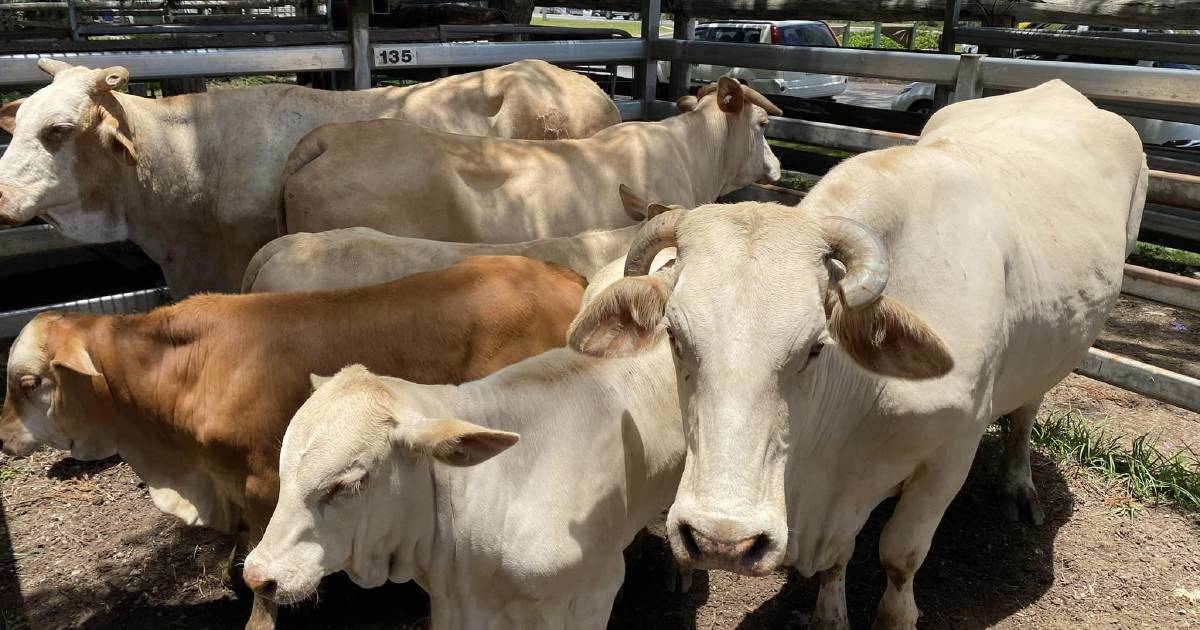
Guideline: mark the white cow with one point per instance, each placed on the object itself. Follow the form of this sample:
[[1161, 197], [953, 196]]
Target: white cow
[[353, 257], [451, 187], [193, 179], [999, 239], [390, 480]]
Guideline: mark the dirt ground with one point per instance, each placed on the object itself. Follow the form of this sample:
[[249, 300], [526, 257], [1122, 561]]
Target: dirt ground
[[81, 546]]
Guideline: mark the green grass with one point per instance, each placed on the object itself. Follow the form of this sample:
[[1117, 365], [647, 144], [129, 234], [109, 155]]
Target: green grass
[[797, 181], [811, 148], [1167, 254], [1144, 467], [633, 27]]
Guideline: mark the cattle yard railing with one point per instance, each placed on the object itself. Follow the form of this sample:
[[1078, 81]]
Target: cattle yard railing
[[1167, 94]]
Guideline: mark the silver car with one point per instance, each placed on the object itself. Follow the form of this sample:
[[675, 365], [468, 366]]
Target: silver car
[[777, 33]]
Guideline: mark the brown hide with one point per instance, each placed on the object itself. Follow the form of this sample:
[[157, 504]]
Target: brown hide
[[211, 383]]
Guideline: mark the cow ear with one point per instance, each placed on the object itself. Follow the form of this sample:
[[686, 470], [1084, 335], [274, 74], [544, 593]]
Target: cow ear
[[623, 320], [634, 204], [8, 115], [459, 443], [318, 380], [115, 139], [75, 358], [887, 338], [110, 79], [730, 97]]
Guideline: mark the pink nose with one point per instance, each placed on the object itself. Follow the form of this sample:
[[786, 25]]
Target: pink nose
[[259, 582], [709, 551]]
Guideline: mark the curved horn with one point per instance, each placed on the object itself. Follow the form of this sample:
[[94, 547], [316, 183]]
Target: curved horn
[[865, 257], [758, 99], [52, 66], [657, 235], [706, 90]]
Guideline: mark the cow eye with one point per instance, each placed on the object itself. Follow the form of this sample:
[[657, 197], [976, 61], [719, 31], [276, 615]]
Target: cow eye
[[343, 489], [30, 382], [57, 133], [815, 351]]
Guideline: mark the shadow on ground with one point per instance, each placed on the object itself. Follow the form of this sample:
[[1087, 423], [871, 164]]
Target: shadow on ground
[[981, 570]]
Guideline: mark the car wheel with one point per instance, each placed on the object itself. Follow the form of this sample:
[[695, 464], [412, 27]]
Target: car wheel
[[924, 107]]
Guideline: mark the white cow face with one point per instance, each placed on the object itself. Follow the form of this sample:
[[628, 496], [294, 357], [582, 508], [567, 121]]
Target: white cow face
[[747, 158], [752, 308], [50, 397], [355, 487], [66, 138]]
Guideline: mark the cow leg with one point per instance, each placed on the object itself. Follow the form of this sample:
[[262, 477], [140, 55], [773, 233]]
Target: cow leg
[[830, 613], [1017, 493], [906, 537], [262, 614]]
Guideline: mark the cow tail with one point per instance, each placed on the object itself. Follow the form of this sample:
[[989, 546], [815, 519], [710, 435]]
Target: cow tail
[[260, 259], [308, 149]]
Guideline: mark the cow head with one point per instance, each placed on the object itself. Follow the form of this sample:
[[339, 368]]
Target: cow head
[[51, 398], [355, 484], [754, 306], [71, 131], [746, 156]]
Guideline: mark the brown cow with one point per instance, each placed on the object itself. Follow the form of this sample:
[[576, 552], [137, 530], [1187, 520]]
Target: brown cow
[[196, 396]]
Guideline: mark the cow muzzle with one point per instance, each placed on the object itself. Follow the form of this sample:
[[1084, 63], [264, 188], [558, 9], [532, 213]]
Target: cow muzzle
[[739, 547]]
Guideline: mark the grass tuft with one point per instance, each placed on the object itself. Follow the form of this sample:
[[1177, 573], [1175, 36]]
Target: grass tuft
[[1166, 475]]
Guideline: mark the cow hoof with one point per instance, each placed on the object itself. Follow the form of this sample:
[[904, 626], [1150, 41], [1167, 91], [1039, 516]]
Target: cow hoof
[[1016, 499], [829, 624]]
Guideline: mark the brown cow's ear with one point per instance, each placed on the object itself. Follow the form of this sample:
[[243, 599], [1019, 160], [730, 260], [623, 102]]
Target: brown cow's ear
[[888, 339], [8, 115], [114, 138], [623, 320], [459, 443], [74, 357], [730, 96]]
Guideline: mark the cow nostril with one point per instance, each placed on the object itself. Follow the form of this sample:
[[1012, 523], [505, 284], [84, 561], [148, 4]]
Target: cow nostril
[[756, 551], [266, 588], [689, 540]]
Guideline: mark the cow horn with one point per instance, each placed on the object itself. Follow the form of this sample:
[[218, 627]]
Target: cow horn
[[52, 66], [865, 257], [758, 99], [657, 235], [706, 90]]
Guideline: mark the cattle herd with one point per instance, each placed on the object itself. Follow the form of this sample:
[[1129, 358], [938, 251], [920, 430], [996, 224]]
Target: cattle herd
[[390, 396]]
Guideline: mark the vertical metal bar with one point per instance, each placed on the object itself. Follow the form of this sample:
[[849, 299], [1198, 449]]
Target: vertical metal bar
[[876, 34], [967, 86], [681, 71], [846, 34], [360, 38], [72, 20], [941, 95], [647, 74], [912, 37]]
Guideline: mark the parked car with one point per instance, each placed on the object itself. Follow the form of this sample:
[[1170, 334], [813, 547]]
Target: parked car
[[775, 33], [918, 97]]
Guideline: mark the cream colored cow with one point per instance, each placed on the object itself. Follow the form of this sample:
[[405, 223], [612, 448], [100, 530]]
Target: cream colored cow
[[193, 179], [450, 187], [979, 266], [353, 257], [387, 479]]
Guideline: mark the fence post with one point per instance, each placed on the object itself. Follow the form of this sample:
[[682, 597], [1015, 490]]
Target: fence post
[[360, 42], [875, 36], [72, 20], [647, 70], [941, 95], [846, 35], [681, 71], [966, 85], [912, 37]]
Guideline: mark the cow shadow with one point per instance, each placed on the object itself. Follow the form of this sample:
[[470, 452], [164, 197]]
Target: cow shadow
[[12, 605], [980, 570], [68, 468]]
